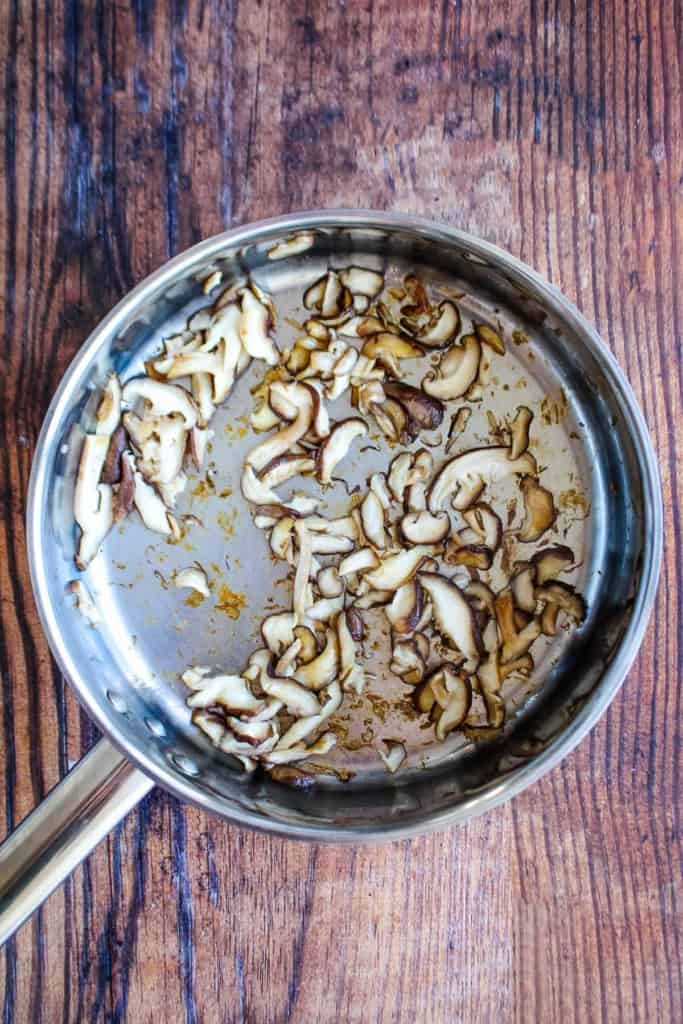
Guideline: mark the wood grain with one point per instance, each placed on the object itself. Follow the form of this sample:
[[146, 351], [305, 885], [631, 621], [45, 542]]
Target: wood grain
[[553, 128]]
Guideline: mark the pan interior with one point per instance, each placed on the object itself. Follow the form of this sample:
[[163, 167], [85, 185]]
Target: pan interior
[[129, 666]]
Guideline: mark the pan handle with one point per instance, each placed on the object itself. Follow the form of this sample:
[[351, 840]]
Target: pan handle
[[43, 851]]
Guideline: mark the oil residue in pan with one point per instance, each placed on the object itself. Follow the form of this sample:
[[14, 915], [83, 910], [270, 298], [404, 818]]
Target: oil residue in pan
[[171, 631]]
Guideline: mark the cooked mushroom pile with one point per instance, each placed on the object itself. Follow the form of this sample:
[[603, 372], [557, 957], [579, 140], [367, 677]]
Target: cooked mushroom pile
[[423, 547]]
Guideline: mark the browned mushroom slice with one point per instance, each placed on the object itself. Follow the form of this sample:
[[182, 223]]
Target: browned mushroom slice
[[309, 648], [549, 617], [519, 432], [424, 412], [425, 527], [416, 497], [336, 445], [466, 473], [108, 414], [373, 599], [458, 424], [335, 297], [539, 508], [253, 329], [361, 327], [319, 672], [407, 662], [456, 372], [522, 584], [522, 666], [521, 642], [397, 569], [445, 328], [111, 468], [292, 246], [301, 397], [313, 296], [362, 281], [394, 757], [330, 543], [405, 610], [124, 491], [300, 752], [453, 614], [232, 692], [296, 698], [481, 597], [392, 419], [565, 597], [256, 490], [354, 621], [387, 348], [550, 562], [447, 696], [476, 556], [286, 466], [486, 524], [490, 337], [342, 526], [372, 516], [163, 399]]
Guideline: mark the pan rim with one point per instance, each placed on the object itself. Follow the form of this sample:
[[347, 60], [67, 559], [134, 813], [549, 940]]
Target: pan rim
[[612, 677]]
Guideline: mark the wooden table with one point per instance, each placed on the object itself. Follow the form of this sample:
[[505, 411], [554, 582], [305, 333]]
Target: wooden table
[[553, 129]]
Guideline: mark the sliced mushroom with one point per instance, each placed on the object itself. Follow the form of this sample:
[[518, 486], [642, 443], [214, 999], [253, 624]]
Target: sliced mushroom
[[394, 757], [387, 349], [416, 497], [292, 246], [325, 609], [481, 597], [254, 489], [278, 631], [299, 752], [522, 584], [425, 527], [330, 544], [231, 692], [405, 610], [124, 491], [490, 337], [303, 570], [253, 329], [521, 642], [407, 662], [336, 445], [319, 672], [373, 599], [522, 666], [284, 467], [193, 578], [362, 281], [467, 473], [296, 698], [372, 516], [163, 399], [445, 328], [458, 424], [486, 524], [453, 614], [360, 561], [549, 617], [309, 647], [519, 432], [329, 582], [565, 597], [539, 508], [424, 412], [398, 474], [397, 569], [108, 414], [152, 509], [111, 468], [93, 502], [354, 621], [351, 674], [446, 696], [550, 562], [379, 486], [301, 397], [475, 556], [456, 372], [342, 526], [84, 602]]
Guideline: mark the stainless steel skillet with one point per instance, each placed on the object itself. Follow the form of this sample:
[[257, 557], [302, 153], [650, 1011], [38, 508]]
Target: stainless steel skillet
[[125, 672]]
